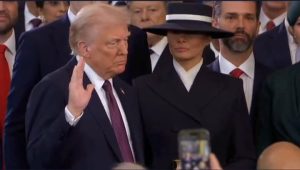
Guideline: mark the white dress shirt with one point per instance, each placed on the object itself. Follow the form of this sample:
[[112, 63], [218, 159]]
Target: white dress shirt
[[292, 44], [264, 19], [157, 49], [98, 82], [71, 16], [10, 53], [28, 16], [187, 77], [248, 76]]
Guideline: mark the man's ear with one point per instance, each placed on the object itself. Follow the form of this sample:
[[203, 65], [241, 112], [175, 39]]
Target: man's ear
[[83, 49]]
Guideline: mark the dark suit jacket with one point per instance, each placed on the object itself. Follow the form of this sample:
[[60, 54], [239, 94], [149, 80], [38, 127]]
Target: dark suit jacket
[[20, 25], [272, 48], [165, 60], [42, 51], [215, 102], [91, 144], [278, 109], [260, 74]]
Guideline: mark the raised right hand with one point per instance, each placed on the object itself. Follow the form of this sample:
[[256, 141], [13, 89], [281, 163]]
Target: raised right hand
[[79, 97]]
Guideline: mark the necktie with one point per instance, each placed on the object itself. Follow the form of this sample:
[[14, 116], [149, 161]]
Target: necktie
[[4, 85], [236, 73], [298, 54], [117, 123], [270, 25], [35, 22]]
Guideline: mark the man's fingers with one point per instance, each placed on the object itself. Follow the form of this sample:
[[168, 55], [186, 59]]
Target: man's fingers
[[90, 88], [80, 69]]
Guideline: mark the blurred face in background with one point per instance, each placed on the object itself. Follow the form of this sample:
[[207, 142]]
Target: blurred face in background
[[147, 13], [8, 15], [53, 10]]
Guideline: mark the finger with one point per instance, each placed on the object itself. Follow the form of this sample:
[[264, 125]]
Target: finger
[[74, 74], [214, 163], [80, 69], [90, 88]]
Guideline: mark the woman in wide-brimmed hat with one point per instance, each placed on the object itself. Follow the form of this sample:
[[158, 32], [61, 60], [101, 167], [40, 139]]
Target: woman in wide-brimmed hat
[[187, 95]]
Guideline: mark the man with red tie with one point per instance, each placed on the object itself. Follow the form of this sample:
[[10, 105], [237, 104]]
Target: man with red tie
[[236, 53], [8, 18], [82, 116]]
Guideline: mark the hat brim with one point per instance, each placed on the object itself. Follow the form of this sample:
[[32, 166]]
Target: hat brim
[[190, 28]]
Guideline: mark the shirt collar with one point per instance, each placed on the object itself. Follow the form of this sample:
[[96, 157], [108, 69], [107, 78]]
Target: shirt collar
[[28, 15], [95, 79], [71, 16], [11, 44], [247, 67], [187, 77], [264, 19], [159, 47]]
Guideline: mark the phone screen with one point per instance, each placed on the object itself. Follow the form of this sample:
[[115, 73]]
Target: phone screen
[[194, 149]]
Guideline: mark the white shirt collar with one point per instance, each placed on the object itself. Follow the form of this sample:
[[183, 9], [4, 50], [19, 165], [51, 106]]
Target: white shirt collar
[[247, 67], [264, 19], [11, 44], [71, 16], [187, 77], [28, 15], [159, 47], [292, 44]]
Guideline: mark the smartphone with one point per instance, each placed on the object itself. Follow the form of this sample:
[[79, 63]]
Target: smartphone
[[194, 149]]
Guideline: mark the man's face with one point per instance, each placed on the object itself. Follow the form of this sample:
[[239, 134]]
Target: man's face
[[238, 17], [8, 15], [275, 5], [147, 13], [187, 48], [108, 51]]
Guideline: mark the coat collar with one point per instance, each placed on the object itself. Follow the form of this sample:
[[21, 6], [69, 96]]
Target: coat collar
[[205, 88]]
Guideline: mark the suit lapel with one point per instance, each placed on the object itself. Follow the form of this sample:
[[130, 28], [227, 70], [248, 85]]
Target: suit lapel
[[165, 60], [128, 104], [215, 66], [95, 108], [204, 89], [61, 36], [169, 86], [280, 39]]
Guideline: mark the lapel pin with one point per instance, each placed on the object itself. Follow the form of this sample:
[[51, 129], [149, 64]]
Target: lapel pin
[[122, 91]]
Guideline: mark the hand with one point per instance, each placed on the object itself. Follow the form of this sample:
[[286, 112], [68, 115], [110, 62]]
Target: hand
[[79, 97]]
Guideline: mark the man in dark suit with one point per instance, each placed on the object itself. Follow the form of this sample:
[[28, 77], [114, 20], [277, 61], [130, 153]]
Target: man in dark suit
[[276, 48], [236, 53], [279, 101], [75, 118], [42, 51], [188, 95], [149, 13]]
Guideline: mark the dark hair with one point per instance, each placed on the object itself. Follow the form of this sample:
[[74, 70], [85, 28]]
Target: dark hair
[[40, 3], [217, 8]]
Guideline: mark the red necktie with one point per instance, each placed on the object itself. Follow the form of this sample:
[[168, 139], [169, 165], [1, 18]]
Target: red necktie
[[236, 73], [270, 25], [117, 123], [4, 85]]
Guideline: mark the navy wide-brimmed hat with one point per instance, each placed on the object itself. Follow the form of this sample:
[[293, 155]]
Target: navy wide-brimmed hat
[[189, 17]]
